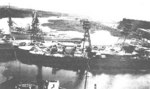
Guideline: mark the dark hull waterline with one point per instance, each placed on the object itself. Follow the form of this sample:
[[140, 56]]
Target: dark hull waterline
[[110, 62], [66, 62]]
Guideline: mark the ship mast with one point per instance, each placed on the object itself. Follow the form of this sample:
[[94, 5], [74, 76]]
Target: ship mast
[[10, 22], [86, 26], [34, 29], [8, 36]]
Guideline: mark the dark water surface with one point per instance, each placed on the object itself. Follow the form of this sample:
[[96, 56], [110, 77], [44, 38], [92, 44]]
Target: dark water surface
[[98, 78]]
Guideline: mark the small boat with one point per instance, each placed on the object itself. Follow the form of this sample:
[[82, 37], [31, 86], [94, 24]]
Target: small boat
[[42, 85], [26, 86]]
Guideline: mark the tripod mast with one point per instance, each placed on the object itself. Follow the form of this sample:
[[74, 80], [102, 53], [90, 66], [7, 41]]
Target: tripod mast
[[86, 26]]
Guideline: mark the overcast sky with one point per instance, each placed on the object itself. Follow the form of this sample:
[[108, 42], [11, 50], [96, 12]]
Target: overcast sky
[[101, 10]]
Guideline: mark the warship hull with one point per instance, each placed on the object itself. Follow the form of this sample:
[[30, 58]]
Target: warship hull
[[66, 62], [109, 62], [20, 36], [120, 62]]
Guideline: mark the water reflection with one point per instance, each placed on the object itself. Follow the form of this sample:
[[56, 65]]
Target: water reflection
[[27, 73], [120, 81], [113, 78], [39, 78], [54, 70]]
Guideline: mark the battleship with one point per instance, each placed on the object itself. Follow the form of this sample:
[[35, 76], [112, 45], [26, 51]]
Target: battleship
[[70, 57], [128, 56], [59, 54], [56, 54], [6, 47], [15, 51]]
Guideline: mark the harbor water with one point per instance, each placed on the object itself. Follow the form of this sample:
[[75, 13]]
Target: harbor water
[[98, 78]]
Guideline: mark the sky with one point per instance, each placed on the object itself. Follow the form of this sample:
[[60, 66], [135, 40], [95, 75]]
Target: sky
[[100, 10]]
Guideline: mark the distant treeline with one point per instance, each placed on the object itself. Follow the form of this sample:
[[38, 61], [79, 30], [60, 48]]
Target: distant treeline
[[5, 11]]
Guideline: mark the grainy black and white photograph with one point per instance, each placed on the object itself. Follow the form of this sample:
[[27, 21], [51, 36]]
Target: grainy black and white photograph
[[74, 44]]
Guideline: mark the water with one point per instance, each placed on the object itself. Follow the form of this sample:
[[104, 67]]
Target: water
[[97, 78]]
